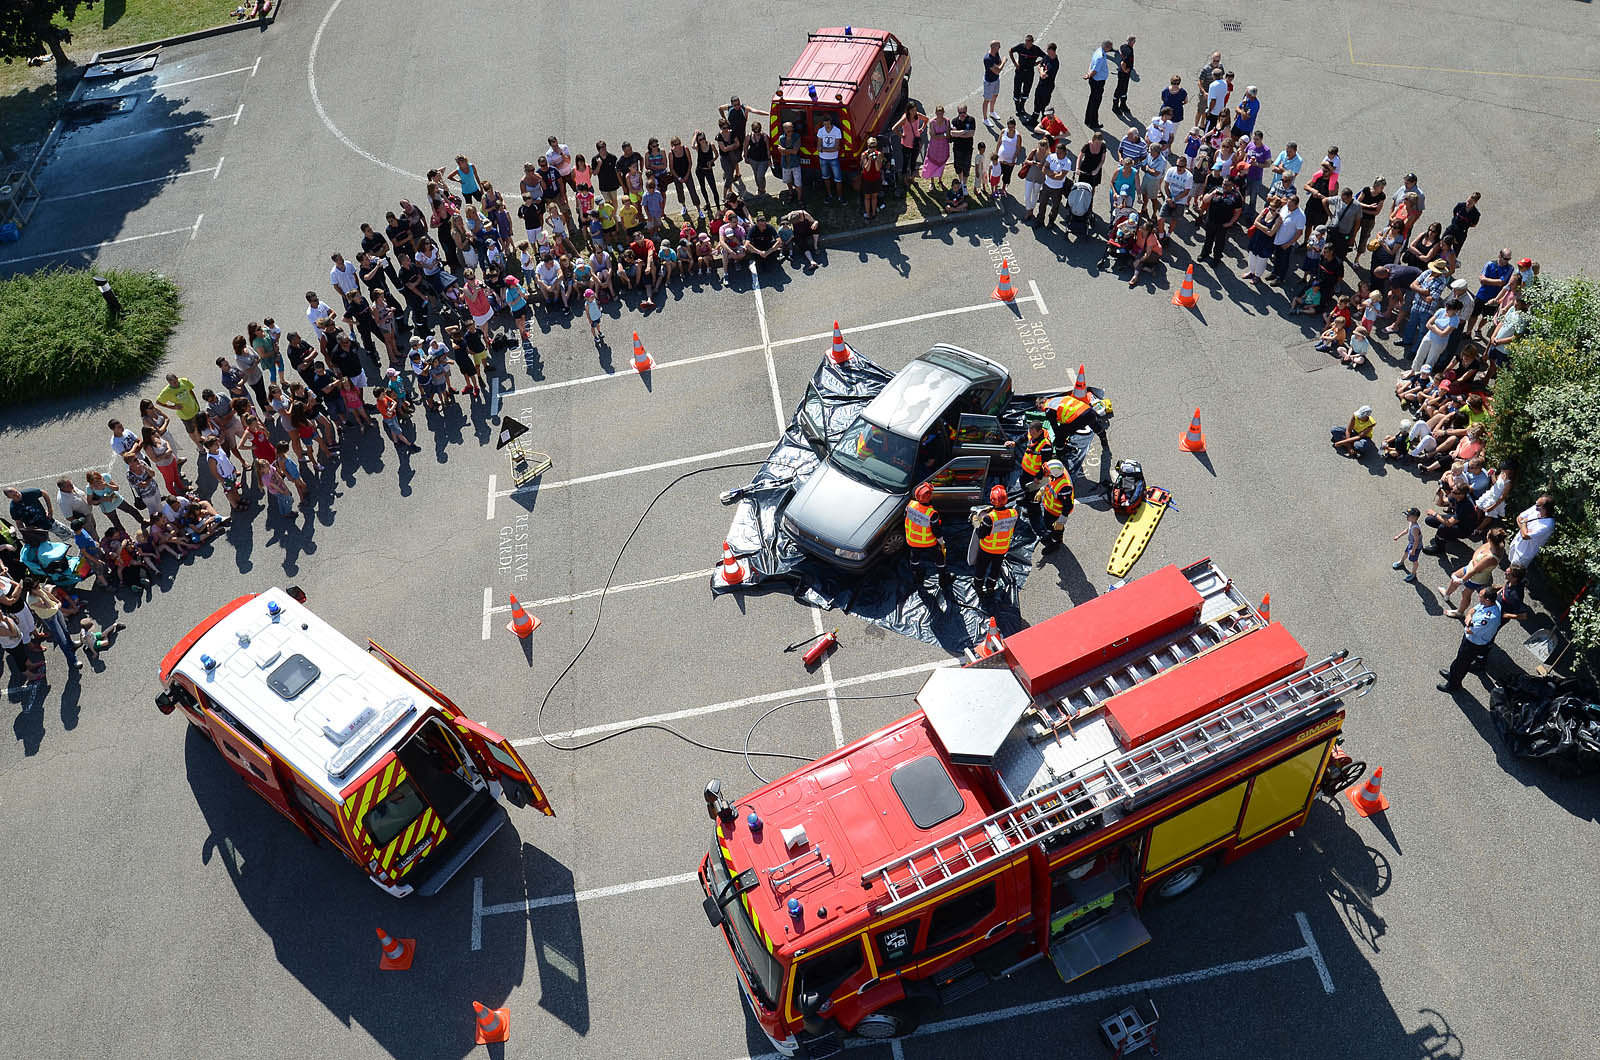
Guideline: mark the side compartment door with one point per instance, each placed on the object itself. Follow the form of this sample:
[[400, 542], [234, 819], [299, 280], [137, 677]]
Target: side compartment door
[[501, 759], [242, 751], [450, 709]]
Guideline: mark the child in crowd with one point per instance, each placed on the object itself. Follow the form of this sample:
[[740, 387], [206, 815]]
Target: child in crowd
[[591, 309], [1413, 535], [1355, 354]]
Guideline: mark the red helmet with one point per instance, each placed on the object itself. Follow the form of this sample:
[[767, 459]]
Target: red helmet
[[923, 493], [997, 496]]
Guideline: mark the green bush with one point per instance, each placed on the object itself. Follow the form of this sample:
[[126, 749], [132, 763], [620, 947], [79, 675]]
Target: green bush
[[1547, 417], [56, 339]]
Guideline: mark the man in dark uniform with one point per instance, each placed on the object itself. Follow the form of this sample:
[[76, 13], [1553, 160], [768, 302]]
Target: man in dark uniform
[[1025, 57], [1482, 622], [1119, 95]]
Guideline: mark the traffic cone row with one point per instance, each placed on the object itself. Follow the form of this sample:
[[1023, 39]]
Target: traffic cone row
[[494, 1024], [1185, 296], [1005, 292], [1080, 389], [838, 353], [522, 623], [1193, 440], [641, 360], [1369, 798]]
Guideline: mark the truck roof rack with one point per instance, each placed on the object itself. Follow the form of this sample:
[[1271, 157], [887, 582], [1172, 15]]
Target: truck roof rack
[[851, 38], [1114, 782], [814, 81]]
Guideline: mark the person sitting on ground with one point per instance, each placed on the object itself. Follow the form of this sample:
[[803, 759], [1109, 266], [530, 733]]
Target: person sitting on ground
[[955, 197], [731, 242], [1355, 353], [762, 240], [1146, 251], [1355, 435], [1454, 521], [807, 236], [1333, 337]]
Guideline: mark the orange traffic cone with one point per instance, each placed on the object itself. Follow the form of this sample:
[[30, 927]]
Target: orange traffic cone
[[641, 360], [1193, 440], [1266, 607], [522, 623], [838, 353], [993, 642], [731, 570], [494, 1024], [1185, 295], [1004, 292], [397, 953], [1369, 798], [1080, 389]]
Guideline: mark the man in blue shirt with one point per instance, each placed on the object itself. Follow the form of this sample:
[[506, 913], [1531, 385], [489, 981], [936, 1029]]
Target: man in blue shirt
[[1099, 69], [1482, 623], [1244, 115], [1490, 282]]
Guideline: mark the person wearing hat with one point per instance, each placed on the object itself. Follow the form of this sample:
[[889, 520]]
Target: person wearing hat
[[923, 539], [1428, 292], [992, 528], [1056, 500], [1355, 435], [1037, 448], [1413, 535]]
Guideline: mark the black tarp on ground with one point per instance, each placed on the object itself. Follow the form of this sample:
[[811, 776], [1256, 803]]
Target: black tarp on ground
[[887, 594], [1552, 719]]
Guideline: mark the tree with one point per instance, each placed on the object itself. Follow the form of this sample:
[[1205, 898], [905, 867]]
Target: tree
[[28, 25]]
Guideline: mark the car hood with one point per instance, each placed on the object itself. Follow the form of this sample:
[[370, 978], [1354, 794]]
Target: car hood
[[842, 511]]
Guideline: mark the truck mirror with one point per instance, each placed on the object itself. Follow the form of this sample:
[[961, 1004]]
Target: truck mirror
[[165, 703], [297, 594]]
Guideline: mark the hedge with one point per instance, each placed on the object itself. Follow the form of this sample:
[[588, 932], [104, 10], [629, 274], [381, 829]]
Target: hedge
[[57, 338]]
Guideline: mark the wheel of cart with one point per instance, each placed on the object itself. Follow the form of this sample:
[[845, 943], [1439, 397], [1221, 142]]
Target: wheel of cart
[[1342, 771], [1130, 1029]]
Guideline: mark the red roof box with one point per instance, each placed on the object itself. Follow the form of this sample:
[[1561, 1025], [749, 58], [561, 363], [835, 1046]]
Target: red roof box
[[1196, 688], [1076, 641]]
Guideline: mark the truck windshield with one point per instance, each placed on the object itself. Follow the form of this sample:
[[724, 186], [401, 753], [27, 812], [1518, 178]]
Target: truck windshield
[[761, 970], [394, 814], [882, 458]]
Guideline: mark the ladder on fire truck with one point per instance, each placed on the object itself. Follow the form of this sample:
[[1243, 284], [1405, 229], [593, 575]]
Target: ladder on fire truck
[[1114, 783], [1224, 614]]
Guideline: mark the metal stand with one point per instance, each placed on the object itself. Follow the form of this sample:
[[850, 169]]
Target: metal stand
[[1129, 1030], [19, 195], [526, 464]]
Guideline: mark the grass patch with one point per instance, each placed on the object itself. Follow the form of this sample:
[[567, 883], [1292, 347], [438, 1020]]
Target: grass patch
[[28, 99], [56, 340]]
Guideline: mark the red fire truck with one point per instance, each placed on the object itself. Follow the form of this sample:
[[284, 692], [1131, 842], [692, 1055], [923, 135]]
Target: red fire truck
[[348, 743], [1112, 755], [860, 76]]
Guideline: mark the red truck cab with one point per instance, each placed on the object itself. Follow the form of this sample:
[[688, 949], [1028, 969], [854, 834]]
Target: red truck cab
[[859, 76]]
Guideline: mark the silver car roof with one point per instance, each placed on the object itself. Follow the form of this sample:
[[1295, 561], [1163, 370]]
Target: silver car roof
[[916, 397]]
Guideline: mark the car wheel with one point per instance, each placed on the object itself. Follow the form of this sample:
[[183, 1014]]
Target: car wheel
[[893, 542], [896, 1021], [1183, 881]]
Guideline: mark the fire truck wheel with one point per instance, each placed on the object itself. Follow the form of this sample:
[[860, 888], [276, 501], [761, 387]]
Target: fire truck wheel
[[1183, 881], [895, 1021]]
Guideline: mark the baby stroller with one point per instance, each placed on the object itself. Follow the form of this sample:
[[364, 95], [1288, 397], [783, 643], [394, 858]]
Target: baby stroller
[[1119, 240], [55, 563], [1080, 207], [1127, 492]]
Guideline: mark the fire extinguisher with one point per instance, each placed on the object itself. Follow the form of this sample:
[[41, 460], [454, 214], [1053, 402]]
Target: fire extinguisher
[[824, 641]]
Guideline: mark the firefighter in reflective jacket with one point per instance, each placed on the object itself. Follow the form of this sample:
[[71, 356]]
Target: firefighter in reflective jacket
[[993, 528], [922, 535], [1071, 413], [1036, 449], [1057, 500]]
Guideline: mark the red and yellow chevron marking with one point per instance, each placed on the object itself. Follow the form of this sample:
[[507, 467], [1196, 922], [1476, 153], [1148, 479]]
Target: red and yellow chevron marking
[[428, 826], [744, 900], [383, 778], [849, 137]]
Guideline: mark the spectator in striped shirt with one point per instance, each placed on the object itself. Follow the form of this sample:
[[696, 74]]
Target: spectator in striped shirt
[[1132, 147]]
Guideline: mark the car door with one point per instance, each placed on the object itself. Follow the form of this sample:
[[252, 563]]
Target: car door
[[496, 754], [813, 419], [977, 434], [960, 483]]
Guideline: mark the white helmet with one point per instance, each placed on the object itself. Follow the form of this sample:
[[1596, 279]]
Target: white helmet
[[1056, 468]]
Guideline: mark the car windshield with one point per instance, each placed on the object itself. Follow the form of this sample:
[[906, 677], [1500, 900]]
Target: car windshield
[[882, 458], [761, 969]]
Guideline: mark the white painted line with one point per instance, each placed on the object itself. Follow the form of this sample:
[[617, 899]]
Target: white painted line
[[100, 246], [152, 132], [766, 347], [896, 1050], [528, 905], [493, 481], [316, 99], [256, 67], [821, 336], [494, 397], [1044, 310], [136, 183], [215, 173], [1316, 953], [659, 365], [541, 487], [649, 583], [59, 474], [828, 684], [196, 230], [488, 609], [207, 77], [737, 704]]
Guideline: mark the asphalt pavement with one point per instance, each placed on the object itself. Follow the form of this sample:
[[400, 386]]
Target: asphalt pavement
[[160, 908]]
